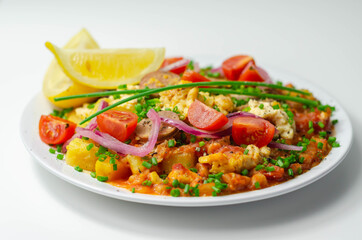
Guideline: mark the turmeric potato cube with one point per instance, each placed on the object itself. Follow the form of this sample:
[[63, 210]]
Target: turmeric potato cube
[[187, 159], [135, 164], [78, 155], [118, 170]]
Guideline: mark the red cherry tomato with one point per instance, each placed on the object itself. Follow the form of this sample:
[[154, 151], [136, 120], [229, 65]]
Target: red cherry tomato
[[251, 73], [249, 130], [193, 76], [232, 67], [169, 61], [206, 118], [118, 124], [55, 130]]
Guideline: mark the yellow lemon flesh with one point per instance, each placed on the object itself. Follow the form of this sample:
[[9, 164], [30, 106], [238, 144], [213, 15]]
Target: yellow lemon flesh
[[57, 84], [107, 68]]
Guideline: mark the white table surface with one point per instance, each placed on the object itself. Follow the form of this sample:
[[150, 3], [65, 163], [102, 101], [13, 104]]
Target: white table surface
[[317, 40]]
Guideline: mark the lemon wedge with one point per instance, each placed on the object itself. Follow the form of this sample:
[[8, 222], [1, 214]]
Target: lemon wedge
[[107, 68], [57, 84]]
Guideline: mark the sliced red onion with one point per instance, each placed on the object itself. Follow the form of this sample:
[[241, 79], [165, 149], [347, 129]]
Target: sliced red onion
[[91, 126], [225, 131], [181, 63], [110, 142], [196, 67], [219, 70], [284, 146], [264, 75], [234, 115]]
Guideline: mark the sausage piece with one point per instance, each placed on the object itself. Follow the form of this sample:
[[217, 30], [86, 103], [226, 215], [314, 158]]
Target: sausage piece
[[143, 128], [159, 79]]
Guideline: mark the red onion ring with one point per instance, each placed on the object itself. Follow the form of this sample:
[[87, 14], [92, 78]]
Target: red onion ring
[[219, 70], [110, 142], [285, 146], [181, 63]]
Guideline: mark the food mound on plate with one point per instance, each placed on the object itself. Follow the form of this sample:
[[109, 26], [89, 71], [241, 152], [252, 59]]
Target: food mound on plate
[[181, 130]]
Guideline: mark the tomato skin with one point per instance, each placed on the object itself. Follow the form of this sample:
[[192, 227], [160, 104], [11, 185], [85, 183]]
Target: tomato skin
[[193, 76], [232, 67], [169, 61], [55, 130], [249, 130], [251, 74], [118, 124], [206, 118]]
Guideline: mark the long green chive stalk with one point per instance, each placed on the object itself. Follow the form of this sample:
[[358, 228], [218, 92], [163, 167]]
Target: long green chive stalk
[[262, 95], [196, 84], [157, 90]]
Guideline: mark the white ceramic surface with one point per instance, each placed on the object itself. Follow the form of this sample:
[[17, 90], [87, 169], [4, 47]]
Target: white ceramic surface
[[40, 151]]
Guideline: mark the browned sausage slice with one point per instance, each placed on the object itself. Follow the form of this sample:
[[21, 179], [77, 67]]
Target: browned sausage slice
[[143, 128], [159, 79]]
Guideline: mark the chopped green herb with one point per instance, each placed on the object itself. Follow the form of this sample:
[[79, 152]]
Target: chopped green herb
[[259, 167], [244, 172], [202, 143], [331, 140], [320, 145], [146, 183], [290, 172], [257, 185], [335, 145], [52, 151], [102, 178], [93, 174], [175, 183], [217, 190], [146, 164], [335, 121], [193, 170], [77, 168], [91, 106], [270, 169], [128, 141], [171, 143], [85, 138], [192, 138], [246, 151], [310, 124], [90, 146], [261, 106], [323, 134], [133, 190], [115, 167], [310, 131], [187, 188], [175, 192], [321, 125], [60, 156], [154, 161], [276, 106]]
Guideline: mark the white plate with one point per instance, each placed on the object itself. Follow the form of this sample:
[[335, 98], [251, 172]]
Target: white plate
[[40, 151]]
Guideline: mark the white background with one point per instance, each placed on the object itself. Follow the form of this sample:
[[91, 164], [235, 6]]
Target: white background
[[317, 40]]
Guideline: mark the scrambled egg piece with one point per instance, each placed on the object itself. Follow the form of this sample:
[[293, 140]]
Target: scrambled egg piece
[[180, 98], [277, 116], [224, 103], [237, 161]]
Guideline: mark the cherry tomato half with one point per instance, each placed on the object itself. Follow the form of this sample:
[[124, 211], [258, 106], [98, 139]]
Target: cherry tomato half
[[252, 73], [118, 124], [169, 61], [206, 118], [249, 130], [193, 76], [55, 130], [232, 67]]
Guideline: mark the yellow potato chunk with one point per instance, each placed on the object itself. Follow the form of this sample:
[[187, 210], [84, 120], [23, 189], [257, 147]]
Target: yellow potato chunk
[[78, 155], [155, 179], [118, 170], [187, 159], [135, 164]]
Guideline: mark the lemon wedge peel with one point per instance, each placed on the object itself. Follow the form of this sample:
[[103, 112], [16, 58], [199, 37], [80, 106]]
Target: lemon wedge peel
[[119, 66]]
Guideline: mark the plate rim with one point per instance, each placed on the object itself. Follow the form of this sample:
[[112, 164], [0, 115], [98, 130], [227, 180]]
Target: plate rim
[[118, 193]]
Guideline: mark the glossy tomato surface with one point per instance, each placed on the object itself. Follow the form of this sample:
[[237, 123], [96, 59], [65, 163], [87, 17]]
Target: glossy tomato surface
[[249, 130], [169, 61], [232, 67], [251, 73], [206, 118], [55, 130], [118, 124]]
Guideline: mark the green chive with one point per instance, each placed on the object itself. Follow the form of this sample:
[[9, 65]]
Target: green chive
[[175, 192], [214, 194], [128, 141], [154, 161], [335, 145], [77, 168], [310, 131], [246, 151], [171, 143], [133, 190], [146, 164], [91, 106], [332, 140], [320, 145], [321, 125], [90, 146], [168, 187], [261, 106], [59, 148], [245, 172], [280, 163], [52, 151], [192, 138], [193, 170], [276, 106], [335, 121], [187, 188], [310, 124], [60, 156], [115, 167], [259, 167], [257, 185], [175, 183], [270, 169], [93, 174], [300, 170], [323, 134], [217, 190], [290, 172], [202, 143], [102, 178], [85, 138]]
